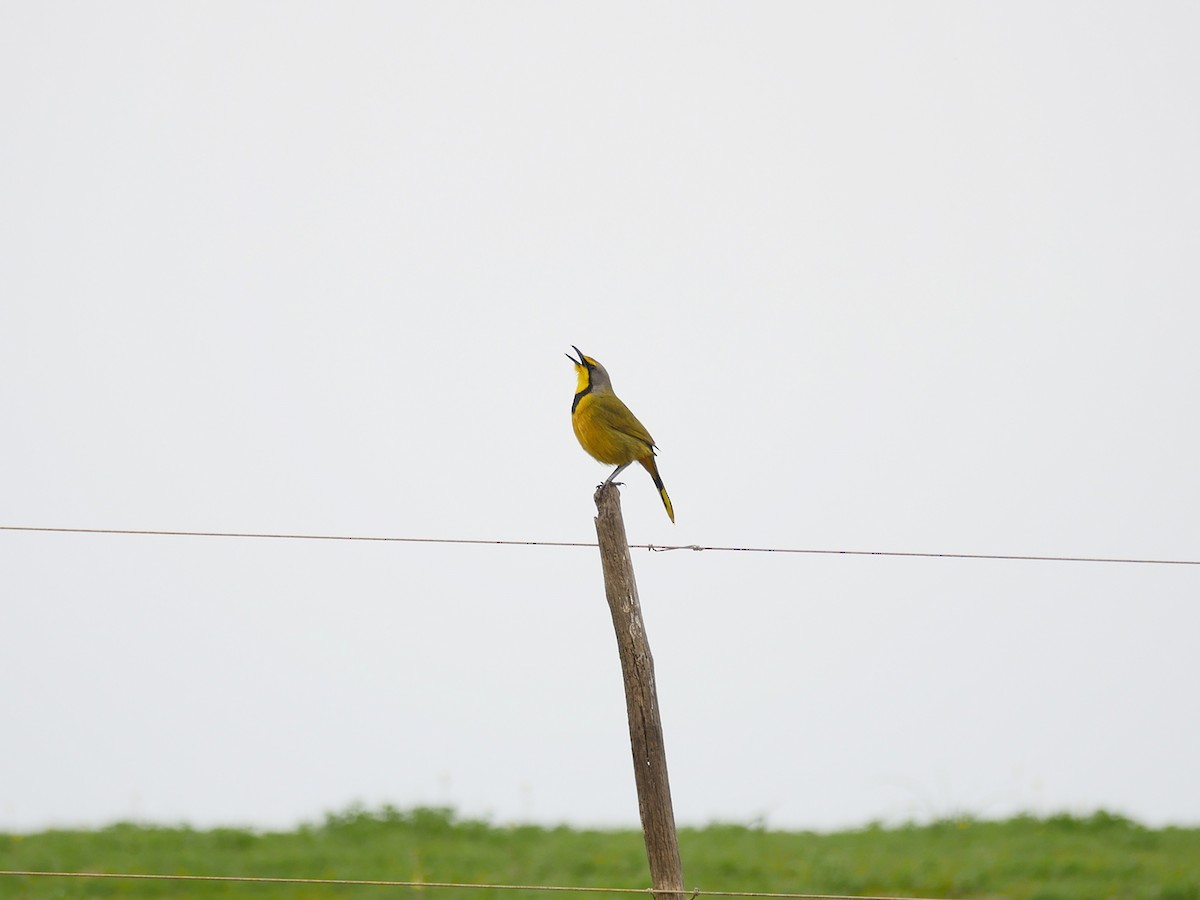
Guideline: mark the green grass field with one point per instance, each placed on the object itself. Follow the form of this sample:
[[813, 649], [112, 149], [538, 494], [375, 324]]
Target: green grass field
[[1058, 858]]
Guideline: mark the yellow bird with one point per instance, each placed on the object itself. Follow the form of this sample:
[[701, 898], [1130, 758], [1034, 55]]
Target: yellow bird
[[606, 428]]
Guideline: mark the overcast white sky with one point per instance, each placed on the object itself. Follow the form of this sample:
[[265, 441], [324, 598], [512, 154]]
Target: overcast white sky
[[917, 276]]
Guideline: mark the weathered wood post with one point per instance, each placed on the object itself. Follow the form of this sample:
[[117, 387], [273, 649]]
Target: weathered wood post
[[641, 698]]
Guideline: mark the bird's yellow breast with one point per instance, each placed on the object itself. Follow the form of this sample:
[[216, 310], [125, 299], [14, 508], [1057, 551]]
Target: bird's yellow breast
[[609, 431]]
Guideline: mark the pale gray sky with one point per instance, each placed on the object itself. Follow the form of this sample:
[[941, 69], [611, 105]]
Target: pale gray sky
[[876, 276]]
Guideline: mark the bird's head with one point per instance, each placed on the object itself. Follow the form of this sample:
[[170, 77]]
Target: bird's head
[[589, 373]]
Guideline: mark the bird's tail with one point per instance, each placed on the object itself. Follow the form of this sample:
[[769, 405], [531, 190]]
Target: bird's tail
[[651, 466]]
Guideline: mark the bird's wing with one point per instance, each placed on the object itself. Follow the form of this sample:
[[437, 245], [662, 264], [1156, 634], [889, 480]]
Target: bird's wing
[[615, 414]]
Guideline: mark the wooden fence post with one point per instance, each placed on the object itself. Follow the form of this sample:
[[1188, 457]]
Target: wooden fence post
[[641, 698]]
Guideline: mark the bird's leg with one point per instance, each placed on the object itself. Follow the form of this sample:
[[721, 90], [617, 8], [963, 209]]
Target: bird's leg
[[615, 473]]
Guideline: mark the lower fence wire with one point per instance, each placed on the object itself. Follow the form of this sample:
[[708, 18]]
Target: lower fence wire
[[690, 894]]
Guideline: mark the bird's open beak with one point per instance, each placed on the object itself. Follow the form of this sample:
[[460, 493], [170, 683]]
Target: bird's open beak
[[578, 362]]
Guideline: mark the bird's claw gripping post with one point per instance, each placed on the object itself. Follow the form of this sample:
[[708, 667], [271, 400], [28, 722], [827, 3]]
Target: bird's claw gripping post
[[604, 486]]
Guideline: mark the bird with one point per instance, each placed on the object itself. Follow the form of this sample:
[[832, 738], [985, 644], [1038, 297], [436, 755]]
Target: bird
[[606, 428]]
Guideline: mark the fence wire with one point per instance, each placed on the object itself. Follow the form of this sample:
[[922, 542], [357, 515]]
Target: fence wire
[[686, 894]]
